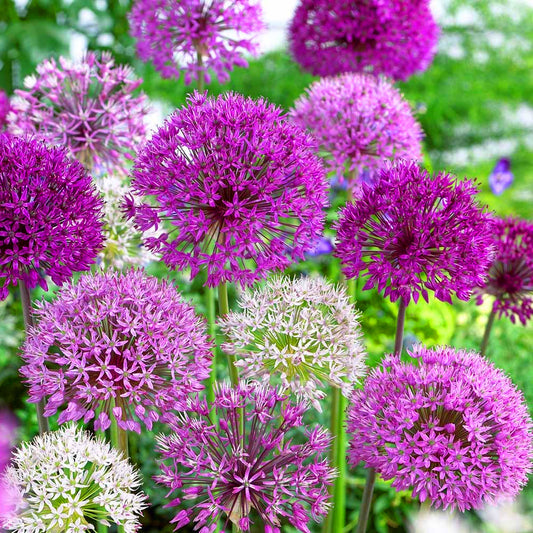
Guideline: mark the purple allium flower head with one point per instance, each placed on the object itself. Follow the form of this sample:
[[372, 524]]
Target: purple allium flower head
[[122, 342], [510, 278], [89, 107], [391, 37], [360, 122], [261, 473], [414, 232], [453, 428], [195, 36], [501, 177], [4, 108], [49, 214], [239, 185]]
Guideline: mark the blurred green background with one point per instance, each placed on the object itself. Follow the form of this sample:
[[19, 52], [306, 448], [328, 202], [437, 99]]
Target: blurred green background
[[475, 104]]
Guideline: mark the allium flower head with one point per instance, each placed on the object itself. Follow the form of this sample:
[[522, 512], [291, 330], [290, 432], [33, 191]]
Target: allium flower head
[[49, 214], [261, 473], [67, 481], [392, 37], [501, 177], [4, 108], [414, 232], [123, 245], [510, 278], [301, 333], [239, 185], [89, 107], [196, 36], [125, 342], [360, 122], [453, 428]]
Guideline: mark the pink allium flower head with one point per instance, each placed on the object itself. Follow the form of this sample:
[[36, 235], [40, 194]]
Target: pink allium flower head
[[123, 342], [239, 185], [196, 36], [414, 232], [453, 428], [49, 214], [510, 278], [360, 122], [391, 37], [4, 108], [88, 106], [261, 473]]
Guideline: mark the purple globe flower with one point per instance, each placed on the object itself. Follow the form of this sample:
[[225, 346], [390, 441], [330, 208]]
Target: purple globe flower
[[323, 246], [49, 214], [260, 472], [510, 278], [239, 186], [413, 232], [452, 428], [4, 108], [89, 107], [360, 122], [501, 177], [116, 344], [391, 37], [195, 36]]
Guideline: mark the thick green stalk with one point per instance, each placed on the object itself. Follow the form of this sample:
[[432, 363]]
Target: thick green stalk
[[371, 475], [486, 335], [212, 330], [28, 322], [339, 502], [327, 526], [201, 77], [223, 309], [119, 440]]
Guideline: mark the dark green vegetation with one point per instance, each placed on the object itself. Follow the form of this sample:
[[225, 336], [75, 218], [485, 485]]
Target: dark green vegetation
[[475, 104]]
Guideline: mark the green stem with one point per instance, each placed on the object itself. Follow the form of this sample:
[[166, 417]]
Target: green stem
[[28, 323], [211, 324], [371, 475], [486, 335], [327, 526], [201, 77], [339, 501], [223, 309], [119, 440]]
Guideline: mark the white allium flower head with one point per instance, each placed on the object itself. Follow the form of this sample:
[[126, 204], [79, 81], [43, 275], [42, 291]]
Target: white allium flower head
[[123, 245], [301, 332], [67, 481]]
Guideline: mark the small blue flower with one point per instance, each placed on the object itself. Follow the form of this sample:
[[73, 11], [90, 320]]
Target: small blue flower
[[501, 176]]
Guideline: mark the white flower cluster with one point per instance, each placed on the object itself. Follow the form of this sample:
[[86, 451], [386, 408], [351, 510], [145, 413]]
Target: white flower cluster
[[123, 245], [67, 481], [303, 332]]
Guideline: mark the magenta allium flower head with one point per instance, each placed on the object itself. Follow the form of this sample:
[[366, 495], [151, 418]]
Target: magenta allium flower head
[[259, 473], [360, 122], [391, 37], [414, 232], [88, 106], [453, 428], [4, 108], [195, 36], [510, 278], [123, 342], [239, 185], [49, 214]]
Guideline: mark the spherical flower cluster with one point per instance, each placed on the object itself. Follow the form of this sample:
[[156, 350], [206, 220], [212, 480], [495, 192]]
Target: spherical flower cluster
[[510, 278], [360, 122], [4, 108], [195, 36], [452, 428], [301, 333], [88, 107], [414, 232], [123, 243], [391, 37], [124, 344], [67, 481], [240, 188], [49, 214], [260, 472]]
